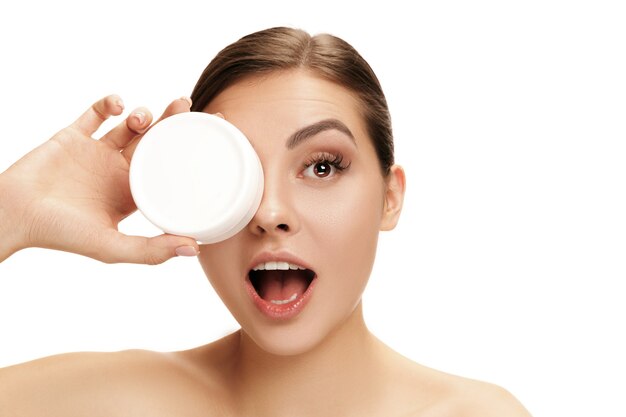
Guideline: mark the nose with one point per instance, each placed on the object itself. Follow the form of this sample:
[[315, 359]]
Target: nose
[[276, 215]]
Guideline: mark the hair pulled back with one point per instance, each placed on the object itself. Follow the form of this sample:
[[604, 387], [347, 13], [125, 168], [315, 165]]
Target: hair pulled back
[[325, 55]]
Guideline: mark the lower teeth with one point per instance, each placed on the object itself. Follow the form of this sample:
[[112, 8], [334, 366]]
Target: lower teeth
[[293, 297]]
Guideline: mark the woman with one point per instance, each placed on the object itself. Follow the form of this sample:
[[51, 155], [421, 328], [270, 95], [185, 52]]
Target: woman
[[293, 278]]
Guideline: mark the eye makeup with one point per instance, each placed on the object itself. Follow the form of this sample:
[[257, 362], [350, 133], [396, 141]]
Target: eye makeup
[[325, 164]]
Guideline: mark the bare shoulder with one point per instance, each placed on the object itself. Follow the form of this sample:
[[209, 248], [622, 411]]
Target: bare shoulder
[[427, 392], [470, 398], [463, 397], [134, 382]]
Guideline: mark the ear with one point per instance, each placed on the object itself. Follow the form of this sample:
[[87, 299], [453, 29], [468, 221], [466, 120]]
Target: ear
[[395, 184]]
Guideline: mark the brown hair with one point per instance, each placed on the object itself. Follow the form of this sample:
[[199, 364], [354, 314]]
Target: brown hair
[[286, 48]]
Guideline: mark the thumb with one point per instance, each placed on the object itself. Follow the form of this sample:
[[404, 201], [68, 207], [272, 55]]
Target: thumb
[[151, 251]]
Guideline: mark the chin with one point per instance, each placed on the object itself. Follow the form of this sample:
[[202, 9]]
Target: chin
[[286, 339]]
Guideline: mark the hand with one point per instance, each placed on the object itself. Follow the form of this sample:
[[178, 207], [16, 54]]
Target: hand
[[71, 192]]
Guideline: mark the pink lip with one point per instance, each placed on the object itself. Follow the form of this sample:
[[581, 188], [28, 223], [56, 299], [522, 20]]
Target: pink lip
[[279, 311]]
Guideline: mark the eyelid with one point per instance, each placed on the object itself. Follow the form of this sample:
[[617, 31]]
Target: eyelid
[[334, 159]]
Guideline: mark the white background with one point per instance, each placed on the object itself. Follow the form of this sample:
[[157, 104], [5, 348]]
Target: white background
[[509, 118]]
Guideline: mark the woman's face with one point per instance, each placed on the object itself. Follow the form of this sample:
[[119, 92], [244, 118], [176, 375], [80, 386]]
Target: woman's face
[[323, 205]]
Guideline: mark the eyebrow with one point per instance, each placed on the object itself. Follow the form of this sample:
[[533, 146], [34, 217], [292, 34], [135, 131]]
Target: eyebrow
[[311, 130]]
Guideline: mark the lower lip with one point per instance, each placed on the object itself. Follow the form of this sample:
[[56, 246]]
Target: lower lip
[[281, 311]]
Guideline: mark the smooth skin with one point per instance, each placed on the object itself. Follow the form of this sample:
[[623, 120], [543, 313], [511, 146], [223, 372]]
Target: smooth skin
[[325, 362]]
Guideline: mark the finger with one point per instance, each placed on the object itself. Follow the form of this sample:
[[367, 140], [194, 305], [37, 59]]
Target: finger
[[101, 110], [180, 105], [135, 124], [151, 251]]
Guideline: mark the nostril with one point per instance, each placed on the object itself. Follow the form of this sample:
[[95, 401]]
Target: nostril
[[283, 227]]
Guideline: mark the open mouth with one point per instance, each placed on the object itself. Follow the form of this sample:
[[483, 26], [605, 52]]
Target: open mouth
[[280, 283]]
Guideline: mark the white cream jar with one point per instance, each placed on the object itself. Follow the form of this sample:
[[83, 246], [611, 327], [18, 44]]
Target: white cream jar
[[197, 175]]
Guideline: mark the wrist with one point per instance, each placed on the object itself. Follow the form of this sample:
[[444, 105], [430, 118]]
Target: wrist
[[9, 232]]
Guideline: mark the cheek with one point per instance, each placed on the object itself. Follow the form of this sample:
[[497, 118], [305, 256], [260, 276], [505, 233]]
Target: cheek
[[344, 222], [221, 273], [350, 209]]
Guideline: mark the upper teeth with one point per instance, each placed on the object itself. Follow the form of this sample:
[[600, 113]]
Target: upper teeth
[[276, 265]]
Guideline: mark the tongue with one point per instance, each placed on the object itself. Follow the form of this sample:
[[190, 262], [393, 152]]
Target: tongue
[[282, 285]]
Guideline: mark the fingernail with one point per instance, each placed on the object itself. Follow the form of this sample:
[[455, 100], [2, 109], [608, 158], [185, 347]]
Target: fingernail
[[220, 115], [186, 251], [187, 99], [119, 103], [140, 117]]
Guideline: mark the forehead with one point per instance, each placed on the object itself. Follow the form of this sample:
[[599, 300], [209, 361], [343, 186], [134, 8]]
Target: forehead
[[286, 101]]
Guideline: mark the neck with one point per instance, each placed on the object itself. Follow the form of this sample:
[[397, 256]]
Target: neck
[[346, 362]]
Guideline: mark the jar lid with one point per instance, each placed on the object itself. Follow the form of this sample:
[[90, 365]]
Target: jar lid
[[195, 174]]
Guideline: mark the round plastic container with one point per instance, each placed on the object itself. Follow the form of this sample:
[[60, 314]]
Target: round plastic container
[[197, 175]]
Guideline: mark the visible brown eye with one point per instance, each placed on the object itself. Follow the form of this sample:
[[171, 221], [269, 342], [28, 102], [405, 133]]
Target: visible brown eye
[[324, 166], [322, 169]]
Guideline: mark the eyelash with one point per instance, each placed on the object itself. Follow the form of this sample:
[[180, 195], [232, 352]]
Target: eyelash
[[333, 159]]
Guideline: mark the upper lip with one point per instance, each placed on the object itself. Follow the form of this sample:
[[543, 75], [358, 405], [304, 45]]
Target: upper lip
[[278, 256]]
